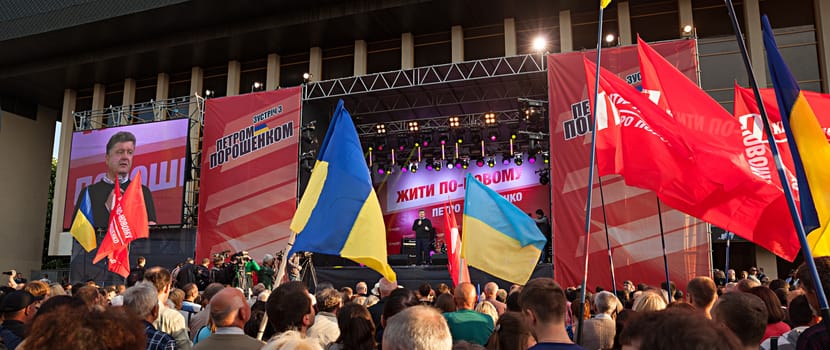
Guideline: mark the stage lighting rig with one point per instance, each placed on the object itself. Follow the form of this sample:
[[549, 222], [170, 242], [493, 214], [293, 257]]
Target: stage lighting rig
[[517, 158], [454, 122], [480, 162], [436, 165], [491, 162], [307, 132], [307, 160], [380, 129], [546, 157], [489, 119], [413, 167], [465, 163], [413, 126], [544, 176]]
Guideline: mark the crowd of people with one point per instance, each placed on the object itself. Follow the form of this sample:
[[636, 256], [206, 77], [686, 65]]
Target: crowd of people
[[154, 313]]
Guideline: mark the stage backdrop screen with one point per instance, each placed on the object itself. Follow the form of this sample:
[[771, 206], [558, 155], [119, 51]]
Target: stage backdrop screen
[[248, 190], [402, 194], [160, 155], [632, 213]]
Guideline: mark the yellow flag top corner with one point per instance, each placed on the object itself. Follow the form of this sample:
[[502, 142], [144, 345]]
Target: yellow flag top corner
[[604, 3]]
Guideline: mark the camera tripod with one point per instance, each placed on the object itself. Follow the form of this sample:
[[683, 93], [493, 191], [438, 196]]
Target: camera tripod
[[308, 271]]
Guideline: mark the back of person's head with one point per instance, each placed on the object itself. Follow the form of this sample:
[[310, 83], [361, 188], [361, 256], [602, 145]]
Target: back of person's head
[[425, 290], [56, 289], [545, 299], [490, 289], [607, 303], [511, 332], [775, 313], [59, 303], [417, 328], [176, 297], [445, 303], [487, 308], [649, 301], [229, 309], [808, 283], [141, 299], [399, 300], [743, 313], [702, 291], [328, 300], [211, 290], [746, 284], [37, 288], [357, 331], [289, 306], [676, 329], [779, 283], [800, 312], [465, 295], [501, 295], [191, 290], [160, 277], [292, 340], [82, 328], [465, 345], [443, 288], [512, 302], [89, 294]]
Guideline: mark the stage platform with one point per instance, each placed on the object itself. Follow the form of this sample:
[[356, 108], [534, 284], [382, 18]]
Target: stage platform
[[410, 277]]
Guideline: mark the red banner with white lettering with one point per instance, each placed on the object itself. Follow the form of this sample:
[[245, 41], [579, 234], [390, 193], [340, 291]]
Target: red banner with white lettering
[[632, 215], [402, 194], [248, 189]]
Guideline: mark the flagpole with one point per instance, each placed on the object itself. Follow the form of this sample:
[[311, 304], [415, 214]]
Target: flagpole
[[663, 241], [590, 180], [607, 239], [280, 275], [728, 247], [799, 227]]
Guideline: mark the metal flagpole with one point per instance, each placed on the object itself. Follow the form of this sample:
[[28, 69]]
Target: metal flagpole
[[607, 239], [728, 247], [799, 227], [280, 275], [590, 181], [663, 241]]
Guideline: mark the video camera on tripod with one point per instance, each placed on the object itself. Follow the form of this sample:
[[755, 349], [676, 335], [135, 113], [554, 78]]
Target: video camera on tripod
[[240, 258]]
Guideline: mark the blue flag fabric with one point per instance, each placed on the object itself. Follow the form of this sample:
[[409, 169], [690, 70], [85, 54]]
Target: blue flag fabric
[[339, 213]]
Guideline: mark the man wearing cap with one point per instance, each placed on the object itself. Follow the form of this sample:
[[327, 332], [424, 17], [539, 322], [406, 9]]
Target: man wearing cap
[[18, 307]]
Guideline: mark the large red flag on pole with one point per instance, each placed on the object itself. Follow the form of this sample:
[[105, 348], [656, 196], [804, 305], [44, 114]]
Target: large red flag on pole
[[455, 264], [697, 177], [128, 221]]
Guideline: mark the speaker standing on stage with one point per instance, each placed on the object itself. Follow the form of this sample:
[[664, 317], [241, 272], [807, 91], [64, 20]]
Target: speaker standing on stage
[[424, 235]]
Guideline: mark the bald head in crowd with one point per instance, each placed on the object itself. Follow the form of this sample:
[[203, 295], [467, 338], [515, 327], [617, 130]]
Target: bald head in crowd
[[228, 308], [417, 328], [465, 296], [702, 294]]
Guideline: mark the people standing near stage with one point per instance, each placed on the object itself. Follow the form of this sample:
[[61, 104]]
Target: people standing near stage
[[424, 235], [543, 223]]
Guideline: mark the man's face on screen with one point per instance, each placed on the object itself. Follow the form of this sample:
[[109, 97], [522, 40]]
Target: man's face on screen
[[120, 158]]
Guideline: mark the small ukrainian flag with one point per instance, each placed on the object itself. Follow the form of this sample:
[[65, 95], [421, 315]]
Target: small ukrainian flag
[[261, 128], [82, 227]]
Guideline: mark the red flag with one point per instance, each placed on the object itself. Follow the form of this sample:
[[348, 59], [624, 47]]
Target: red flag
[[688, 171], [456, 265], [128, 221], [119, 262]]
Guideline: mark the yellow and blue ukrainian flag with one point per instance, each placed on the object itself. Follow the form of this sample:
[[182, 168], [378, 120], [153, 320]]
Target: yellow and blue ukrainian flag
[[808, 145], [498, 237], [83, 227], [339, 213]]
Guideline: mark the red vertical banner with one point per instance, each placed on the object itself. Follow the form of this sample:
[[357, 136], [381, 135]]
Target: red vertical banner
[[632, 216], [248, 189]]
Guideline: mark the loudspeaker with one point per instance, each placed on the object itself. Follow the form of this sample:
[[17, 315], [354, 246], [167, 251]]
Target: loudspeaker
[[399, 260], [439, 259], [408, 246]]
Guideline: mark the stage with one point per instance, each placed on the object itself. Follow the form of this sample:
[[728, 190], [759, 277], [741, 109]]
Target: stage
[[410, 277]]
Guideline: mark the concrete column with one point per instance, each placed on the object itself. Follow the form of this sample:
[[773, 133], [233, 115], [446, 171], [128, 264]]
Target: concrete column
[[361, 54], [197, 80], [234, 74], [624, 23], [684, 9], [272, 80], [315, 63], [755, 40], [98, 94], [767, 260], [510, 37], [457, 43], [822, 11], [407, 51], [60, 243], [127, 100], [162, 92], [566, 41]]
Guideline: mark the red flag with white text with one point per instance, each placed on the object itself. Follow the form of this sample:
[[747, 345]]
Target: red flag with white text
[[128, 221], [455, 264], [696, 176]]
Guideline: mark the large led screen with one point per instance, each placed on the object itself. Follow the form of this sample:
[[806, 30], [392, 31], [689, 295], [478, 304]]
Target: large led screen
[[158, 152]]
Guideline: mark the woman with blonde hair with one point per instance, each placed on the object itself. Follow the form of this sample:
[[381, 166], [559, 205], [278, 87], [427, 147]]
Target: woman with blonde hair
[[649, 301], [487, 308]]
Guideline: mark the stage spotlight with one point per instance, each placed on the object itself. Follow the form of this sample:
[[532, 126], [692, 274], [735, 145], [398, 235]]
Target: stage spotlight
[[256, 86], [413, 167], [454, 122], [546, 157], [494, 135], [437, 165], [480, 162], [413, 126], [402, 141], [609, 39], [517, 159], [209, 93], [490, 118], [465, 163], [429, 164], [444, 139], [390, 169], [404, 168], [491, 162], [381, 170], [426, 141], [505, 159], [531, 158], [380, 128], [450, 164], [687, 31], [540, 44], [460, 139]]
